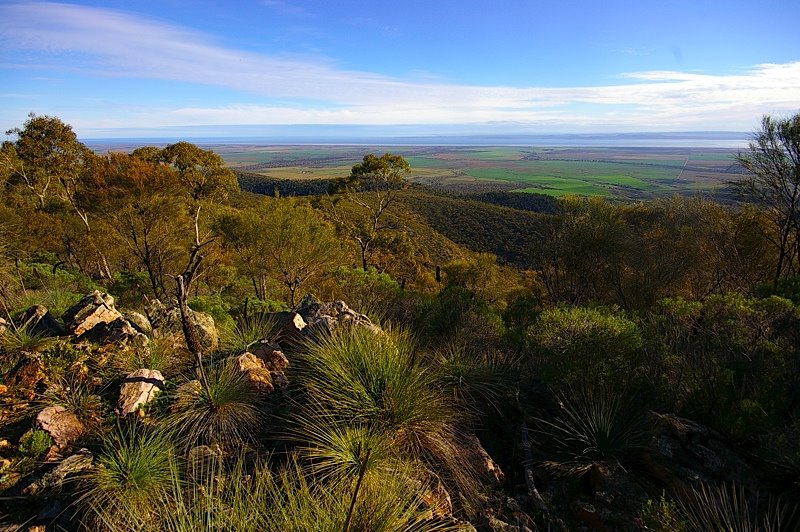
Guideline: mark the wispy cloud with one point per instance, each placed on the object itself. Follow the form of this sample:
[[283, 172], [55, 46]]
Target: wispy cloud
[[112, 43]]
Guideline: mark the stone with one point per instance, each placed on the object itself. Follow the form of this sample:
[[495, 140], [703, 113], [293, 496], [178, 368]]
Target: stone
[[326, 318], [138, 389], [256, 372], [28, 373], [91, 310], [37, 320], [3, 389], [138, 321], [120, 333], [54, 479], [271, 354], [479, 460], [166, 323], [3, 326], [63, 426]]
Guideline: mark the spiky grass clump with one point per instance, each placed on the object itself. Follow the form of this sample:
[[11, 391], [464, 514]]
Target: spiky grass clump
[[474, 379], [24, 340], [226, 413], [240, 498], [249, 330], [727, 508], [374, 387], [133, 482], [592, 425]]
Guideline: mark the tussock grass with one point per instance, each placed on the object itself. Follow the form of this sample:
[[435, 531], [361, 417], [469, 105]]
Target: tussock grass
[[226, 413]]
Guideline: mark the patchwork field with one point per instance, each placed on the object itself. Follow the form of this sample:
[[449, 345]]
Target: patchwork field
[[629, 173]]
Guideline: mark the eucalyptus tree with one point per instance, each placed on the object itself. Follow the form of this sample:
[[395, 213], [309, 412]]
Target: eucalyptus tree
[[773, 162], [371, 187]]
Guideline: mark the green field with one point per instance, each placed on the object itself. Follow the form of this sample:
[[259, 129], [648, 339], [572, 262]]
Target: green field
[[629, 173]]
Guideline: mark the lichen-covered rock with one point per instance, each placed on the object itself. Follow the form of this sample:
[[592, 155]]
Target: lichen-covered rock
[[271, 354], [138, 321], [28, 373], [166, 323], [138, 389], [326, 318], [54, 479], [62, 425], [37, 320], [256, 372], [91, 310]]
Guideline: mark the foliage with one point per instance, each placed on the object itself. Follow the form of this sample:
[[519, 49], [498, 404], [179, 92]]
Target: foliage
[[367, 291], [728, 507], [378, 384], [570, 345], [216, 307], [35, 443], [132, 482], [225, 414], [248, 330], [592, 425], [773, 182], [662, 515]]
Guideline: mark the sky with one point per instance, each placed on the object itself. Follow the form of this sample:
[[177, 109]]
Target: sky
[[211, 68]]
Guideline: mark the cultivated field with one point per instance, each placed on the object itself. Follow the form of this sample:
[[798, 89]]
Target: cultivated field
[[631, 173]]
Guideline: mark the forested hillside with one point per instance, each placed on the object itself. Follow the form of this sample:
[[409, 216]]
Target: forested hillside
[[491, 361]]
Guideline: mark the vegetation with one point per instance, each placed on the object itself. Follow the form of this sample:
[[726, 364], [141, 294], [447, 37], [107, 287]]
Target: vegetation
[[549, 361]]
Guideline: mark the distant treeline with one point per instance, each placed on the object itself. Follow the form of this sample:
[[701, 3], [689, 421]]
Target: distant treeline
[[271, 186]]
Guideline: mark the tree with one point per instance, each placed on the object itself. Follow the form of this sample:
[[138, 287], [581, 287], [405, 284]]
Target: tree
[[371, 186], [202, 172], [45, 159], [773, 160]]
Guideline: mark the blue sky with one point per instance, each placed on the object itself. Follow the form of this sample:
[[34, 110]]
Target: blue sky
[[167, 67]]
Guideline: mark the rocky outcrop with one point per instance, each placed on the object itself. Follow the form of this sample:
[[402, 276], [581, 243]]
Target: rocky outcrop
[[93, 309], [138, 389], [38, 321], [138, 321], [255, 371], [166, 323], [62, 425], [119, 333], [54, 479], [326, 318], [28, 373]]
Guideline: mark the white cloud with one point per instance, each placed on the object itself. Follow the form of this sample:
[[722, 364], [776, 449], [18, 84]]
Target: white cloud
[[113, 43]]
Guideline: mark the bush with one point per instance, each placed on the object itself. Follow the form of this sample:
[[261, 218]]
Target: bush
[[35, 443], [214, 306], [571, 345]]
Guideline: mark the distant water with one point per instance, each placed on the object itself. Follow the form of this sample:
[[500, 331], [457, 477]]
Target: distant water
[[705, 139]]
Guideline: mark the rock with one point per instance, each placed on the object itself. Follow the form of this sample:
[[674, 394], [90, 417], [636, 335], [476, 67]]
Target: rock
[[91, 310], [28, 373], [120, 333], [37, 320], [684, 452], [166, 323], [436, 498], [271, 354], [63, 426], [479, 460], [290, 327], [138, 321], [138, 389], [325, 318], [279, 380], [54, 479], [3, 389], [256, 372], [3, 326]]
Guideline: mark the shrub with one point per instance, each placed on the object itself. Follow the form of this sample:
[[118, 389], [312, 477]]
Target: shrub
[[35, 443], [575, 344], [226, 413]]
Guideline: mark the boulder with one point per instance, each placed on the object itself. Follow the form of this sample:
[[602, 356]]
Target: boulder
[[37, 320], [255, 371], [138, 321], [479, 460], [54, 479], [271, 354], [166, 323], [684, 452], [120, 333], [28, 373], [3, 326], [138, 389], [325, 318], [91, 310], [63, 426]]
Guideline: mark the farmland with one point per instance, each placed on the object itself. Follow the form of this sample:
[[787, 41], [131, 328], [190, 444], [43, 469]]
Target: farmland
[[623, 173]]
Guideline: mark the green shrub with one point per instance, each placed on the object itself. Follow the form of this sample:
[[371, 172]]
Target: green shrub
[[662, 515], [35, 443], [570, 345], [369, 292], [214, 306]]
